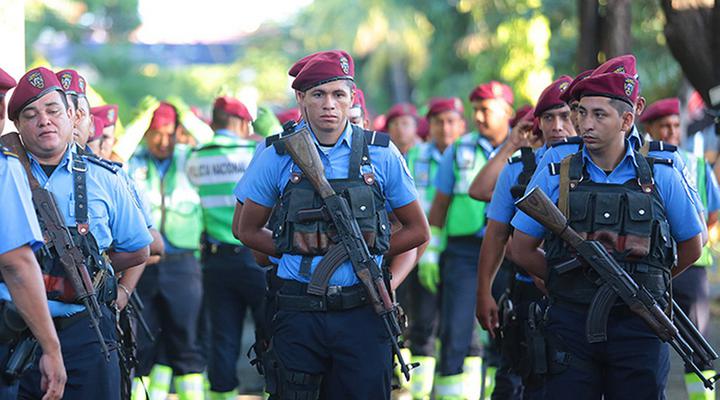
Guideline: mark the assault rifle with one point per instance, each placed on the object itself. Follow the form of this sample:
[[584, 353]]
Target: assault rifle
[[303, 152], [57, 236], [615, 282]]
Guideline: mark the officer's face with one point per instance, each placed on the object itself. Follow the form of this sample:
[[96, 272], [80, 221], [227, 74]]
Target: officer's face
[[327, 106], [492, 117], [403, 130], [355, 115], [446, 127], [556, 124], [574, 115], [83, 121], [666, 129], [601, 124], [161, 141], [45, 126]]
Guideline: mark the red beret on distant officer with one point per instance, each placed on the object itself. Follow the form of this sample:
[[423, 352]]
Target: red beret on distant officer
[[550, 97], [442, 104], [165, 114], [661, 108], [232, 106], [625, 64], [614, 85], [292, 114], [520, 113], [35, 84], [568, 96], [72, 82], [321, 68], [359, 101], [399, 110], [7, 82], [99, 124], [109, 113], [492, 90]]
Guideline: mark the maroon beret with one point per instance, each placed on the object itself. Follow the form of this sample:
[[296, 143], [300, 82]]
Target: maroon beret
[[520, 113], [72, 82], [99, 124], [299, 64], [165, 114], [109, 113], [442, 104], [614, 85], [359, 101], [399, 110], [492, 90], [423, 128], [322, 67], [551, 97], [7, 82], [232, 106], [35, 84], [625, 64], [661, 108], [292, 114], [568, 96]]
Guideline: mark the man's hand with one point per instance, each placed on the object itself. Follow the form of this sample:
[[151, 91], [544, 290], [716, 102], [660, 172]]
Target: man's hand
[[53, 376], [486, 312], [123, 297], [521, 135]]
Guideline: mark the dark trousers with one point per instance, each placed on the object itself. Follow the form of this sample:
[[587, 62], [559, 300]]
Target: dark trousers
[[89, 374], [232, 285], [350, 349], [172, 293], [632, 364], [691, 291], [458, 327], [422, 310]]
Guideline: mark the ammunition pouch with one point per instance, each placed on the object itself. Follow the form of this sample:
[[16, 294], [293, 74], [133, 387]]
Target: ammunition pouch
[[284, 384]]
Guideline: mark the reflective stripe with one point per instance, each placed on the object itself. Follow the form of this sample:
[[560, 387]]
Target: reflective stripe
[[449, 387], [421, 380], [190, 387], [472, 380], [218, 201], [160, 378], [139, 386], [695, 388]]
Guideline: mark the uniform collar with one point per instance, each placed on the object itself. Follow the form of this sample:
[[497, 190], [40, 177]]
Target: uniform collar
[[345, 136], [65, 162], [635, 138], [629, 154]]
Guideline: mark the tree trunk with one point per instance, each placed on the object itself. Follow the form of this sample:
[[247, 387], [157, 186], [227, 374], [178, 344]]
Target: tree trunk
[[589, 42], [618, 21]]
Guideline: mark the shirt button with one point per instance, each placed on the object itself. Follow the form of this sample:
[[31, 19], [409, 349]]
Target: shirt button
[[641, 211], [606, 215]]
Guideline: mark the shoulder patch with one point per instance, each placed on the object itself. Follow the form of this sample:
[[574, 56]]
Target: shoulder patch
[[657, 145], [554, 168], [374, 138], [568, 140], [108, 165], [7, 152]]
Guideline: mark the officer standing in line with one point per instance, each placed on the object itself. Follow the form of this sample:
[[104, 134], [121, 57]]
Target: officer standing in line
[[104, 143], [358, 114], [19, 236], [322, 347], [555, 125], [691, 289], [401, 125], [462, 220], [636, 207], [233, 282], [75, 88], [99, 214], [172, 289], [447, 124]]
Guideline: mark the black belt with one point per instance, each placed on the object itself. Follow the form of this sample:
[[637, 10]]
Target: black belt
[[64, 322], [292, 296], [222, 249]]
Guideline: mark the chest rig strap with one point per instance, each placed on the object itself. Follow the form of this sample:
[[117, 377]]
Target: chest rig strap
[[79, 170]]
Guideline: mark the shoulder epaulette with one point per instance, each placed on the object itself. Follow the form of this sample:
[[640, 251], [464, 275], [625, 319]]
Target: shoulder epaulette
[[663, 161], [554, 168], [271, 139], [107, 164], [7, 152], [374, 138], [104, 160], [657, 145], [568, 140]]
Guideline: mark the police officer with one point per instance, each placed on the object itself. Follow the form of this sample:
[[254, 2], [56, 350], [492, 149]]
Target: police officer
[[637, 207], [447, 124], [401, 125], [105, 139], [172, 289], [233, 282], [102, 218], [341, 351], [358, 114], [463, 221], [554, 124], [19, 236], [75, 87], [690, 289]]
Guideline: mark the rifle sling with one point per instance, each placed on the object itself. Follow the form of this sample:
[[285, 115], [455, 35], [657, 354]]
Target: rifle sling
[[563, 198], [12, 142]]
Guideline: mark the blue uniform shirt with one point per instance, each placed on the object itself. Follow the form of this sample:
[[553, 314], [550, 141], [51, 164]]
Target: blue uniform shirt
[[679, 207], [502, 205], [265, 181], [18, 222], [114, 217], [445, 177], [712, 188]]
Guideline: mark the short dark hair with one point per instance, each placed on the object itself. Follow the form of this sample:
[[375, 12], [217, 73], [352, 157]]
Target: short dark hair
[[621, 107], [73, 97], [220, 119]]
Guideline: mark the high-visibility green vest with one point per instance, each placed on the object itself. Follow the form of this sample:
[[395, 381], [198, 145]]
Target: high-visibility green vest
[[215, 168], [697, 170], [174, 201], [466, 216], [423, 167]]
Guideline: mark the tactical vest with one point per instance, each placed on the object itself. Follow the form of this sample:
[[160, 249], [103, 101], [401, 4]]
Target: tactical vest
[[299, 223], [466, 216], [423, 168], [629, 219], [215, 168], [696, 169], [529, 164], [174, 200]]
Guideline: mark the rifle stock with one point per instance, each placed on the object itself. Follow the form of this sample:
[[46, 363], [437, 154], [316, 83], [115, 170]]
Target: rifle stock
[[302, 150], [537, 205]]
